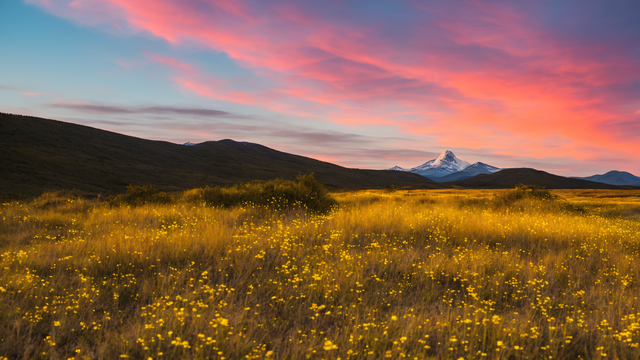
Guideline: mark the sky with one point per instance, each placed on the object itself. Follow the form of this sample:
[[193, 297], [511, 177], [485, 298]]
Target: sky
[[362, 83]]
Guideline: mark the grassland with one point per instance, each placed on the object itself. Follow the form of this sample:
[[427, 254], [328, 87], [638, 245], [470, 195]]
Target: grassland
[[473, 274]]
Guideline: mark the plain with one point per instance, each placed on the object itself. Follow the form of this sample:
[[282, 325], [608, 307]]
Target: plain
[[473, 274]]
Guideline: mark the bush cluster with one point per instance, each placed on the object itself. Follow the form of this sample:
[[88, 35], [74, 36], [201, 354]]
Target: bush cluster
[[303, 192], [522, 192], [141, 194]]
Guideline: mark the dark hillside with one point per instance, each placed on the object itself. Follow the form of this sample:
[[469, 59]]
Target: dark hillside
[[508, 178], [39, 155]]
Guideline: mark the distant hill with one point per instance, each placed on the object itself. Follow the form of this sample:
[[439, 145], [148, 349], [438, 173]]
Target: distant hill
[[614, 178], [469, 172], [508, 178], [39, 155]]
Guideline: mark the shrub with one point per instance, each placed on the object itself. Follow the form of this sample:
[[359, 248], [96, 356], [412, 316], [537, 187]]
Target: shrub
[[522, 192], [303, 192], [51, 200], [141, 194]]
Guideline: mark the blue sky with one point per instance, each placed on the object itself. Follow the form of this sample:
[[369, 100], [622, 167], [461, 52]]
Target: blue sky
[[361, 84]]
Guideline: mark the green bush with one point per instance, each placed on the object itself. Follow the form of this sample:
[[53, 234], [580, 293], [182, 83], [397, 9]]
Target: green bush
[[141, 194], [303, 192]]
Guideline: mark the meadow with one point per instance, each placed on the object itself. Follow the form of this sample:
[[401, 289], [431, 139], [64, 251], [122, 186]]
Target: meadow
[[400, 274]]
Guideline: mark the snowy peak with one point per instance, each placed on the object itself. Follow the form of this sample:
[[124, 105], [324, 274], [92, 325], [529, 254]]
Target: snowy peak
[[468, 172], [480, 166], [448, 163], [449, 159], [398, 168], [445, 164], [447, 167], [447, 156]]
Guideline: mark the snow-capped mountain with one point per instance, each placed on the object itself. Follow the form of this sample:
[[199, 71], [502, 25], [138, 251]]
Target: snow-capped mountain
[[398, 168], [469, 172], [189, 143], [481, 167], [446, 165]]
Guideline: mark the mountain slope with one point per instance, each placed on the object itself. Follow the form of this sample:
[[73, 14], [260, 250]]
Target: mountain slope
[[469, 172], [508, 178], [614, 178], [39, 155]]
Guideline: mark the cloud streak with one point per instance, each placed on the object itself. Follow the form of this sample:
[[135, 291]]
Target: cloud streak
[[156, 110], [344, 148]]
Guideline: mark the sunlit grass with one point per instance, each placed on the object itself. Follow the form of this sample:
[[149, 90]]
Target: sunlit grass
[[404, 274]]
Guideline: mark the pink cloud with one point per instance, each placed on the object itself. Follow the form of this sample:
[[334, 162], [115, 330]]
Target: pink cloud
[[169, 61], [483, 75]]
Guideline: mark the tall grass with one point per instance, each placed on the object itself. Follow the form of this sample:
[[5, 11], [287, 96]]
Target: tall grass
[[403, 274]]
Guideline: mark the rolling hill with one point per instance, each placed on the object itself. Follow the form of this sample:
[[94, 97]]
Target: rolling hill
[[508, 178], [615, 178], [39, 155]]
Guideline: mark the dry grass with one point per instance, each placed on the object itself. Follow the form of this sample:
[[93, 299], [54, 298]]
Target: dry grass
[[417, 274]]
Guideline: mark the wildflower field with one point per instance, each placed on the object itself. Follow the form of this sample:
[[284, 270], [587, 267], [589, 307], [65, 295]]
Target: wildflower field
[[416, 274]]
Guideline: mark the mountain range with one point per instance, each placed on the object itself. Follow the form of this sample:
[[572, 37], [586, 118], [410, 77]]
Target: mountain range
[[38, 155], [448, 167]]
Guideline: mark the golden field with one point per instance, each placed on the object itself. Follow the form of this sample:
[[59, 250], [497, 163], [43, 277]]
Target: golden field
[[416, 274]]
